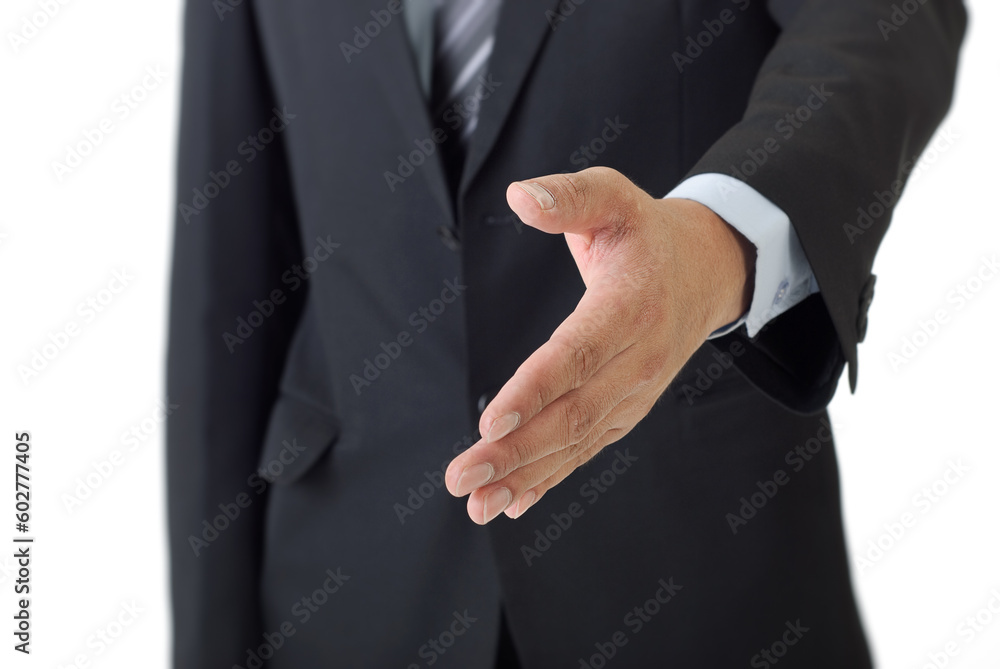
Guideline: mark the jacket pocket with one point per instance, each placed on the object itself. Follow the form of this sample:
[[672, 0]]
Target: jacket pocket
[[303, 425], [708, 378], [298, 435]]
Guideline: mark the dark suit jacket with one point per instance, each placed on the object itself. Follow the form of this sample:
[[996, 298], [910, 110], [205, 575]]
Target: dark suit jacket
[[333, 339]]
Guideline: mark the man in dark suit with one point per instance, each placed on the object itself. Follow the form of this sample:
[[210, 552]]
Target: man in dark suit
[[637, 383]]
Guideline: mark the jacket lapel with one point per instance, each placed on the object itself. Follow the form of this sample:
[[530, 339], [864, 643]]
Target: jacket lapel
[[522, 28], [397, 74]]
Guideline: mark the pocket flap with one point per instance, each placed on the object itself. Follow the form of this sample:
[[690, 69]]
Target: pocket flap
[[297, 436]]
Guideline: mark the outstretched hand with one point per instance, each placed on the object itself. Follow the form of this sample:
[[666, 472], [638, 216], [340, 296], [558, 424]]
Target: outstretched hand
[[661, 276]]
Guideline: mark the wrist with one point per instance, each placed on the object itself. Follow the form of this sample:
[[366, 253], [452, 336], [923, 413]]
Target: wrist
[[743, 258], [728, 265]]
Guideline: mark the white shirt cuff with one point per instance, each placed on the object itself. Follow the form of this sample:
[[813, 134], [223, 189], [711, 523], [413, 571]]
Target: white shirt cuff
[[783, 277]]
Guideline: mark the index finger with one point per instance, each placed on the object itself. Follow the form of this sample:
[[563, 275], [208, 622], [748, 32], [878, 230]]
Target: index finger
[[596, 331]]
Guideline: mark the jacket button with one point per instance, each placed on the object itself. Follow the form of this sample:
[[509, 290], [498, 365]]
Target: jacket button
[[449, 237], [864, 302], [484, 400], [862, 326]]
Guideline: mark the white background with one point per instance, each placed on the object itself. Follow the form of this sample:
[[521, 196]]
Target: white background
[[62, 240]]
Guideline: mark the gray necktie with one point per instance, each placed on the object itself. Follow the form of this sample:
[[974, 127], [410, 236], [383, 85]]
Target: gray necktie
[[463, 41]]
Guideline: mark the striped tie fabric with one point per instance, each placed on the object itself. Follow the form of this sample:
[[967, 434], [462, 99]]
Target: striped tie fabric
[[463, 41]]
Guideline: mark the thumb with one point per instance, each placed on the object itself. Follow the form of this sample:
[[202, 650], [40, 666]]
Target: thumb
[[596, 198]]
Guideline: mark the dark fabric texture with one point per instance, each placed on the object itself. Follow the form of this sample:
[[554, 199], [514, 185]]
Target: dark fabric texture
[[338, 317]]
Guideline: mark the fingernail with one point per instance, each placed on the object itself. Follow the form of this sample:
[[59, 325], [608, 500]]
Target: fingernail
[[473, 477], [523, 504], [495, 503], [540, 193], [503, 426]]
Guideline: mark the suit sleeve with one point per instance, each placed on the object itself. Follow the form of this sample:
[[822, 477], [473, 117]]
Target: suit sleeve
[[235, 234], [842, 106]]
